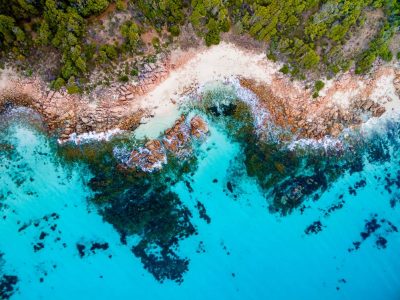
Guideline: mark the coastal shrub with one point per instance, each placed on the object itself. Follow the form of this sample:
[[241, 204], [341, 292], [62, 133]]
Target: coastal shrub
[[155, 42], [73, 89], [119, 4], [110, 51], [131, 32], [58, 83], [386, 54], [285, 69], [134, 72], [174, 30], [319, 85], [123, 78], [89, 7]]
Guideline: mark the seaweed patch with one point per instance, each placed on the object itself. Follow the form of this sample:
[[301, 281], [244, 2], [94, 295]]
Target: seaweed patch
[[379, 228], [202, 212], [7, 286], [314, 228]]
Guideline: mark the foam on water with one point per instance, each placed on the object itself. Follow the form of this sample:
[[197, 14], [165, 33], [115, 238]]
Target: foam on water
[[92, 136]]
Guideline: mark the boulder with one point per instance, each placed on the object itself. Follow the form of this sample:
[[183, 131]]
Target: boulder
[[198, 126]]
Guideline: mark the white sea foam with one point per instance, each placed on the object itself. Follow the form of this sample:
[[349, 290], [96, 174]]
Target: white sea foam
[[327, 143], [122, 154], [91, 136]]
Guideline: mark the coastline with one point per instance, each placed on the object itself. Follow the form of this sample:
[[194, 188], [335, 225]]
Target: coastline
[[347, 101]]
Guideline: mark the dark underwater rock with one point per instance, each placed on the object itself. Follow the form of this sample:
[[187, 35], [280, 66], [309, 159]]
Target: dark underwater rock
[[293, 191], [202, 212], [7, 286], [161, 261], [315, 227]]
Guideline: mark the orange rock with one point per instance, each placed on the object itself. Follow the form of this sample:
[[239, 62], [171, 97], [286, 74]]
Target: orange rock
[[198, 126]]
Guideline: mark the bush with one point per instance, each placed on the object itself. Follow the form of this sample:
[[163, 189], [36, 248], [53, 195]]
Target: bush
[[272, 56], [119, 4], [123, 78], [319, 85], [174, 30], [73, 89], [110, 51], [386, 54], [58, 83], [365, 63], [285, 69], [134, 72]]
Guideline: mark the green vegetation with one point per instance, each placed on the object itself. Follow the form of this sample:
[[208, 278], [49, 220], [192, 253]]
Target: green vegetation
[[131, 32], [319, 85], [307, 35]]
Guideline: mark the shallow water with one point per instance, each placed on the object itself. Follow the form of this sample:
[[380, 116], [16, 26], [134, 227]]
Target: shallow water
[[60, 243]]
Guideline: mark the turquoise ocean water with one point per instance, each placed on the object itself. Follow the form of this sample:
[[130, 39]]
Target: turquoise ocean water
[[225, 237]]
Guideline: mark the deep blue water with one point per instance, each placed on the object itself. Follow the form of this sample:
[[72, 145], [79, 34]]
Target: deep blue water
[[232, 242]]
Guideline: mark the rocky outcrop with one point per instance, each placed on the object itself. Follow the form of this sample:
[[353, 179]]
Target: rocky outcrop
[[198, 127], [150, 158], [65, 114], [176, 141], [176, 138], [312, 118], [102, 110]]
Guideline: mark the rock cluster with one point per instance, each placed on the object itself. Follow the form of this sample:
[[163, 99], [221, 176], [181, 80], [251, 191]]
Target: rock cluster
[[307, 119], [65, 114], [176, 138], [198, 127], [176, 141], [149, 158], [103, 109], [396, 82]]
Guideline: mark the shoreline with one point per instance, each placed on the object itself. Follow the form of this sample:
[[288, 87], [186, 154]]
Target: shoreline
[[347, 101]]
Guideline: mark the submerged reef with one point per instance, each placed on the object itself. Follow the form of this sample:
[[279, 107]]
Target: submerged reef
[[132, 179], [8, 283], [290, 175], [136, 197]]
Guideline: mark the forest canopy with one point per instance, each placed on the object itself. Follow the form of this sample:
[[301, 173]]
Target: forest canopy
[[305, 34]]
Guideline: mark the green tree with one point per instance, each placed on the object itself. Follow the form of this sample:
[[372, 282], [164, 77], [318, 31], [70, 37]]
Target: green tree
[[131, 32]]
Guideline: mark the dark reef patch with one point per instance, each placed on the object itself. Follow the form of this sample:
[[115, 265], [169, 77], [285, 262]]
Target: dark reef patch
[[202, 212], [201, 248], [381, 242], [98, 246], [93, 247], [335, 207], [7, 286], [161, 261], [141, 204], [292, 192], [81, 249], [229, 186], [314, 228], [392, 180], [379, 228]]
